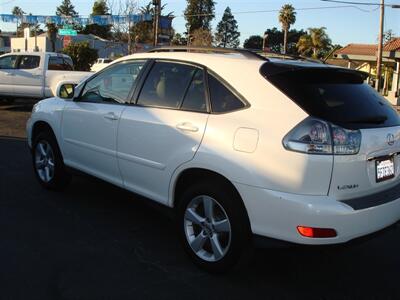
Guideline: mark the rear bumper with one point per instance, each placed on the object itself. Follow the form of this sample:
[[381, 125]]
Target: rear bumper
[[276, 215]]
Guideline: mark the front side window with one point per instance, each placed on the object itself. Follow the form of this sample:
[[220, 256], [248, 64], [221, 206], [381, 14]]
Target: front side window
[[29, 62], [8, 62], [222, 99], [166, 85], [114, 85]]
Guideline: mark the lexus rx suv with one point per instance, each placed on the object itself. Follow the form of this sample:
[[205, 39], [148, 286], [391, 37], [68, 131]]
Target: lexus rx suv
[[240, 146]]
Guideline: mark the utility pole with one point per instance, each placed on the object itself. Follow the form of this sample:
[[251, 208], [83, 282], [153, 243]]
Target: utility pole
[[157, 12], [380, 46]]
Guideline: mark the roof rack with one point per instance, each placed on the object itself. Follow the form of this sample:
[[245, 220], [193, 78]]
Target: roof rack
[[245, 52]]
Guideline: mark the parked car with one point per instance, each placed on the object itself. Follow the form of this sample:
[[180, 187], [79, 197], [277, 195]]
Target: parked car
[[35, 74], [241, 147], [100, 64]]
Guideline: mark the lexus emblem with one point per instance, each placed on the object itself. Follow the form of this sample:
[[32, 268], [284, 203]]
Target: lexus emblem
[[390, 139]]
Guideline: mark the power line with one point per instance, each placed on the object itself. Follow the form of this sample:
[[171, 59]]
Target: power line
[[358, 3], [277, 10]]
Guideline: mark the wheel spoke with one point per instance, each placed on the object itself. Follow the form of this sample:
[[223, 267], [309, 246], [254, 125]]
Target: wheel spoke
[[198, 243], [42, 150], [216, 246], [51, 163], [47, 173], [192, 216], [222, 226], [208, 204]]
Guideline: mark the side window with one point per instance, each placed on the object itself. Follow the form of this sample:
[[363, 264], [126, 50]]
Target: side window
[[68, 64], [166, 85], [222, 99], [195, 99], [29, 62], [56, 63], [113, 85], [8, 62]]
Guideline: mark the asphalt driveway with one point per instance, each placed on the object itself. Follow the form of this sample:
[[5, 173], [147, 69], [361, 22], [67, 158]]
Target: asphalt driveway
[[96, 241]]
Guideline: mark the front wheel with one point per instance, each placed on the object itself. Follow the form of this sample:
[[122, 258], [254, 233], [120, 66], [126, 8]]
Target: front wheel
[[48, 163], [214, 226]]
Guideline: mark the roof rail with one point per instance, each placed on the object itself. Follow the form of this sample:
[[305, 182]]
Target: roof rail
[[245, 52]]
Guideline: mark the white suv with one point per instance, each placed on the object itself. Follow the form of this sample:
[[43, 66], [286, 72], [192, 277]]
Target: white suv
[[240, 146]]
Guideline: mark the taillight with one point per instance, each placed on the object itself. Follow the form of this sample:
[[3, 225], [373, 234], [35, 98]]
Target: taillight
[[315, 136]]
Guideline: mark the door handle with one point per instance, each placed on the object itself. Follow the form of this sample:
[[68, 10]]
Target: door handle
[[111, 116], [10, 74], [186, 126]]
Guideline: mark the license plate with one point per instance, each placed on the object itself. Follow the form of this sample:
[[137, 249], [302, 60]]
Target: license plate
[[384, 169]]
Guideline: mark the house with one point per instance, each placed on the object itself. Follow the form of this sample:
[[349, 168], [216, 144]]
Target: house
[[105, 48], [5, 41], [365, 56]]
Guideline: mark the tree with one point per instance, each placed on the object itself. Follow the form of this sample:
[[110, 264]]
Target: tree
[[315, 43], [66, 9], [17, 11], [52, 35], [201, 38], [100, 8], [388, 35], [253, 42], [199, 14], [287, 17], [82, 55], [143, 31], [275, 38], [227, 31], [179, 40]]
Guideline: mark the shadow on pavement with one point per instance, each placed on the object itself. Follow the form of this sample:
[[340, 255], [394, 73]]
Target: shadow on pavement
[[97, 241]]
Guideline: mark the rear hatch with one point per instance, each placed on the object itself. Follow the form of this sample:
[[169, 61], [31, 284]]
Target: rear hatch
[[341, 98]]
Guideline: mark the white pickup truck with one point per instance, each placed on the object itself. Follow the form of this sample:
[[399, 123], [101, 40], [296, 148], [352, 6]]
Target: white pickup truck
[[36, 74]]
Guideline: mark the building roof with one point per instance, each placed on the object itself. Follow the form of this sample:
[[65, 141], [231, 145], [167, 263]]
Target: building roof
[[358, 49], [392, 45], [369, 49]]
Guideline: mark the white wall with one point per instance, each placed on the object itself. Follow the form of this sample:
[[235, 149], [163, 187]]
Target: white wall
[[18, 44]]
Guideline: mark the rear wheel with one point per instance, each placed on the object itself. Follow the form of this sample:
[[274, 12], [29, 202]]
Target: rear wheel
[[214, 226], [48, 163]]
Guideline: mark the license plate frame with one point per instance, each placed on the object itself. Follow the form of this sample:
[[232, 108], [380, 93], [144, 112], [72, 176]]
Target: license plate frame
[[384, 162]]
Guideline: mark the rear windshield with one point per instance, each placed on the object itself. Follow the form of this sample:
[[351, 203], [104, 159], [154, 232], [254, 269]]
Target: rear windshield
[[336, 95]]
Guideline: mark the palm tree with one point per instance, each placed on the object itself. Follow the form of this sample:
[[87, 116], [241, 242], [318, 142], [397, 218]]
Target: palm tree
[[17, 11], [287, 17], [314, 42], [52, 35]]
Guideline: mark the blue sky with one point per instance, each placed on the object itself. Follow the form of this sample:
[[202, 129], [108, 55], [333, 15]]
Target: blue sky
[[344, 25]]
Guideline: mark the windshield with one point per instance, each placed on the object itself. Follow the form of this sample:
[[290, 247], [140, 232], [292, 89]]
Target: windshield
[[337, 95]]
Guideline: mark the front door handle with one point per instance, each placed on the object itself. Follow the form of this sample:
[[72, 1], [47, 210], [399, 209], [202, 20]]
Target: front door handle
[[186, 126], [111, 116]]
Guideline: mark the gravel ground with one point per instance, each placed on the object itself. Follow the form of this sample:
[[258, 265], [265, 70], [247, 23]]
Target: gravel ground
[[13, 117]]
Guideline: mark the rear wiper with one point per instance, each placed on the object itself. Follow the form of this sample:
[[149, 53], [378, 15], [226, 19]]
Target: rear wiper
[[370, 120]]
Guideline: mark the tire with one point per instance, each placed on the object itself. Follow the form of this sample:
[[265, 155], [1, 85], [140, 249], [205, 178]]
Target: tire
[[48, 163], [201, 236]]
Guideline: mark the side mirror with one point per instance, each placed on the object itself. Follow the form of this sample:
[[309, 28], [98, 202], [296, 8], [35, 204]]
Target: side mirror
[[66, 91]]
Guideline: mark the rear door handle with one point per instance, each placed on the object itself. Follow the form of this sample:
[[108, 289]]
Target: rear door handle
[[186, 126], [111, 116]]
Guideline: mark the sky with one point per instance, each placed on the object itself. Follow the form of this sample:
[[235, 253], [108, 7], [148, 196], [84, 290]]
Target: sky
[[358, 24]]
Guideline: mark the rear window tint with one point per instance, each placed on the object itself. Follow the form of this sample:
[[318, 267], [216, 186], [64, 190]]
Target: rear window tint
[[222, 99], [337, 95], [29, 62]]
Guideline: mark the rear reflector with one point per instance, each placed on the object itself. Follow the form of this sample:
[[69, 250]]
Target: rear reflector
[[312, 232]]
